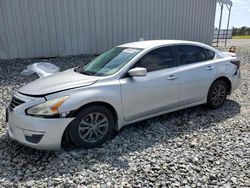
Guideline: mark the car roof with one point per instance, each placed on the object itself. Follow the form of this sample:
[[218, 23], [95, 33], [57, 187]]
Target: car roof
[[154, 43]]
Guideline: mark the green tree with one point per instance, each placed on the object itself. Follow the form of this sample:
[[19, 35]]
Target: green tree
[[241, 31]]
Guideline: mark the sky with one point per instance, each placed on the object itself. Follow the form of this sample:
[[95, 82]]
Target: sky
[[240, 15]]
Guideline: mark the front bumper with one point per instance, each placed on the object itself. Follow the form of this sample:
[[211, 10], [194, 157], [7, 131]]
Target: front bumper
[[36, 132]]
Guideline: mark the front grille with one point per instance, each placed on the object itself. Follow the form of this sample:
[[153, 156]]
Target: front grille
[[15, 102]]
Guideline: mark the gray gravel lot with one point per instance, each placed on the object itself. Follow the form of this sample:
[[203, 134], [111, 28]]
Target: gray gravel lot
[[196, 147]]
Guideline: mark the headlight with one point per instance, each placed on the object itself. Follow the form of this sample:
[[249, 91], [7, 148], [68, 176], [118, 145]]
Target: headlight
[[48, 108]]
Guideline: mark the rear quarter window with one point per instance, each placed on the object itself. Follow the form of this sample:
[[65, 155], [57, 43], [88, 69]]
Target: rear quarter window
[[210, 54], [191, 54]]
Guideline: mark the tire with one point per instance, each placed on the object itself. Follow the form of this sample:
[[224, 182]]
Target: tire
[[217, 94], [92, 127]]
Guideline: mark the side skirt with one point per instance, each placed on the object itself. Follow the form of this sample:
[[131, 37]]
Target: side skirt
[[122, 123]]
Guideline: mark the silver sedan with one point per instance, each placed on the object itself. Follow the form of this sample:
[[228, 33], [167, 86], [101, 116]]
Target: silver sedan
[[126, 84]]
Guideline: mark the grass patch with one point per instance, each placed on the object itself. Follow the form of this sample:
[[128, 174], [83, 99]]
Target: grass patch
[[242, 37]]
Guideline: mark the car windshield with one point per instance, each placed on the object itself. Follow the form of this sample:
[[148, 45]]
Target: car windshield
[[109, 62]]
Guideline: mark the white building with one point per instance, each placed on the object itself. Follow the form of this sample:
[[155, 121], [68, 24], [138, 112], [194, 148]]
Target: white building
[[48, 28]]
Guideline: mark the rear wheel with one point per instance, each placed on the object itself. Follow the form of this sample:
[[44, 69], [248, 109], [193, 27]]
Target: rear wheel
[[217, 94], [92, 127]]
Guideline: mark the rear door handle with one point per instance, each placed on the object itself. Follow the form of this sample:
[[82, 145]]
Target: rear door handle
[[209, 67], [172, 77]]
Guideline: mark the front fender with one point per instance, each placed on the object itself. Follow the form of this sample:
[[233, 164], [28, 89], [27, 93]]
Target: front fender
[[110, 94]]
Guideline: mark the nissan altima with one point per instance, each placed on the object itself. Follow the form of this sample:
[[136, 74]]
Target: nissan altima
[[126, 84]]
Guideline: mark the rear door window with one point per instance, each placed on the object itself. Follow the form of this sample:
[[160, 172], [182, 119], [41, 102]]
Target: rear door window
[[190, 54]]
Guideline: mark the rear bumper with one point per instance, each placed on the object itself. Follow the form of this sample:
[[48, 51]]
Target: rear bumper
[[39, 133], [235, 81]]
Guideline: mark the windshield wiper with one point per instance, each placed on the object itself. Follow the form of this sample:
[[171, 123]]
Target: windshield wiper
[[87, 73], [78, 69], [90, 73]]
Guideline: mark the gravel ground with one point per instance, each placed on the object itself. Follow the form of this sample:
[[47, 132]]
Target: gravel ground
[[196, 147]]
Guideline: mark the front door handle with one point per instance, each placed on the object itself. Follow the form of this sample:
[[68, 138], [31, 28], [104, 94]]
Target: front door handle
[[209, 67], [172, 77]]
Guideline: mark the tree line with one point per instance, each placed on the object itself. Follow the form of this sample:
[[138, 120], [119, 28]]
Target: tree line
[[241, 31]]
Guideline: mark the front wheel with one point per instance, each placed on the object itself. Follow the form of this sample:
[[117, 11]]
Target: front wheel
[[92, 127], [217, 94]]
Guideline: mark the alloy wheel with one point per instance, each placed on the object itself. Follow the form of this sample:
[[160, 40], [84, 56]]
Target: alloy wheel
[[93, 127], [218, 94]]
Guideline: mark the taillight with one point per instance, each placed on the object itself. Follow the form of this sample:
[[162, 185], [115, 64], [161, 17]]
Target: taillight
[[237, 63], [232, 49]]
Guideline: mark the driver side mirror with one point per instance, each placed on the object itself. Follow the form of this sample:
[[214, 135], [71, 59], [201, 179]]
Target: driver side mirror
[[137, 72]]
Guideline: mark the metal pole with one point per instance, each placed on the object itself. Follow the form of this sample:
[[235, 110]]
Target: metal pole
[[228, 24], [221, 11]]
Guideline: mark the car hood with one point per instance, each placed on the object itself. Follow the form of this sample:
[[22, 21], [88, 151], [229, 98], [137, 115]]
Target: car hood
[[65, 80]]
